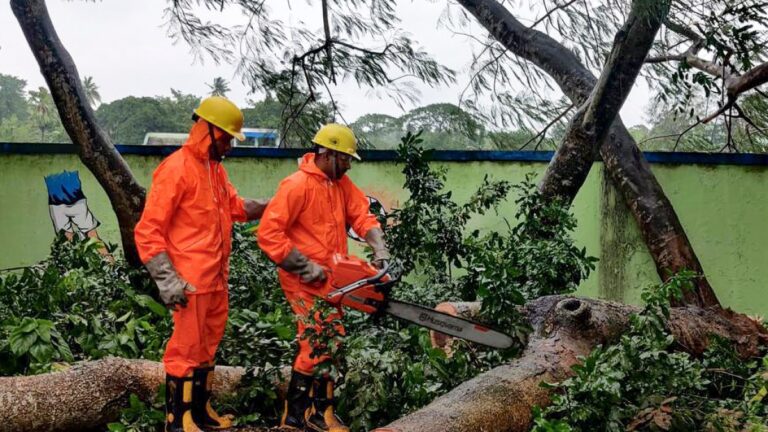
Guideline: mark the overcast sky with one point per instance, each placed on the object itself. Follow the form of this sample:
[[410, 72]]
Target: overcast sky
[[123, 45]]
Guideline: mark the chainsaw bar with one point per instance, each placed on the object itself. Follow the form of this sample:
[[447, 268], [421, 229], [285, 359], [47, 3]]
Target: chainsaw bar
[[448, 324]]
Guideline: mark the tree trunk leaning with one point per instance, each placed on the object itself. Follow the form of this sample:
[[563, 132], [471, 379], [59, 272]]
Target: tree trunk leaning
[[576, 154], [661, 229]]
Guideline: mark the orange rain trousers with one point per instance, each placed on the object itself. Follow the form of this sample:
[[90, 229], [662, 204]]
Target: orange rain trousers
[[301, 302], [197, 331]]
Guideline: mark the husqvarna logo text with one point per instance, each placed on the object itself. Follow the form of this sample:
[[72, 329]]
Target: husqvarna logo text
[[425, 317]]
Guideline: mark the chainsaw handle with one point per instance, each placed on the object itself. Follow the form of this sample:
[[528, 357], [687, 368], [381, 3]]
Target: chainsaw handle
[[341, 292], [377, 277]]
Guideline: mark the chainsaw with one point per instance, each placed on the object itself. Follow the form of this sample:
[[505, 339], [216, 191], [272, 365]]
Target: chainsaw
[[357, 284]]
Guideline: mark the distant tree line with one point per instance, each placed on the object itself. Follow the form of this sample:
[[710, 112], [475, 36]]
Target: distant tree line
[[30, 116]]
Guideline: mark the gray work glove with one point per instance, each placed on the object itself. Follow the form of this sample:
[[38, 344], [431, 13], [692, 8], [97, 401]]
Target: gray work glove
[[254, 208], [298, 264], [375, 239], [172, 287]]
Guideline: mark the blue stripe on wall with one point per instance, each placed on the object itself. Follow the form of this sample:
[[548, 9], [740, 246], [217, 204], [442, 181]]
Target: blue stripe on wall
[[390, 155]]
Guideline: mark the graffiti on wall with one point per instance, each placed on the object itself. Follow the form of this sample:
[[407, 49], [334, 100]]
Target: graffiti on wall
[[68, 207]]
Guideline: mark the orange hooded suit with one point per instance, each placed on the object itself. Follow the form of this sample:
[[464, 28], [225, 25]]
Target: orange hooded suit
[[189, 214], [311, 213]]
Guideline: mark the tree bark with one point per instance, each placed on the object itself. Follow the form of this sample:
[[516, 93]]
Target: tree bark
[[87, 395], [661, 229], [92, 394], [94, 147], [752, 78], [564, 328]]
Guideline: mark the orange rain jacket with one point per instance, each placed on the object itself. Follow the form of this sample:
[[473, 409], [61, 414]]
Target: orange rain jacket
[[311, 212], [189, 213]]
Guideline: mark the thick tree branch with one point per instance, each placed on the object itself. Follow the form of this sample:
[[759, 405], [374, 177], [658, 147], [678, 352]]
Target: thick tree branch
[[630, 47], [735, 83], [93, 145], [751, 79]]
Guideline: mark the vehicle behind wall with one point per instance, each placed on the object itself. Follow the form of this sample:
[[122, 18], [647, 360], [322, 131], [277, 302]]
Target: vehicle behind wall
[[254, 137]]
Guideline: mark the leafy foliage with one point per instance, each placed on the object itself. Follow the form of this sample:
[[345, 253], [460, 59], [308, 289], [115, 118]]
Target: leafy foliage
[[138, 416], [443, 126], [75, 306], [640, 384], [679, 131], [536, 257], [12, 99]]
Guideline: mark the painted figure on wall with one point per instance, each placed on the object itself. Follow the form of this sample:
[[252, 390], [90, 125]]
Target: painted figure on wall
[[68, 207]]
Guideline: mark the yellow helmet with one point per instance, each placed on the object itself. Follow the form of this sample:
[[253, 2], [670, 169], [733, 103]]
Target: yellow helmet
[[337, 137], [220, 111]]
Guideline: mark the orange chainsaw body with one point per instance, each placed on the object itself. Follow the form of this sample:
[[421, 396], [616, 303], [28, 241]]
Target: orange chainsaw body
[[347, 269]]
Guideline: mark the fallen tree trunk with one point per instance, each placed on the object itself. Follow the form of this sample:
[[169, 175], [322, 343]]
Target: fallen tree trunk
[[91, 394], [563, 329], [88, 395]]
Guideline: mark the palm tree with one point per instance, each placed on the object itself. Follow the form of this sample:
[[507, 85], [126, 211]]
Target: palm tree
[[91, 92], [42, 110], [220, 87]]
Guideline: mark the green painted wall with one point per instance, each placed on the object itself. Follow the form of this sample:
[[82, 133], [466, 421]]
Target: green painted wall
[[723, 209]]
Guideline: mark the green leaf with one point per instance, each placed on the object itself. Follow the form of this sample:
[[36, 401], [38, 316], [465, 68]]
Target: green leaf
[[285, 332], [44, 330], [152, 305], [41, 352], [27, 325], [21, 341], [116, 427]]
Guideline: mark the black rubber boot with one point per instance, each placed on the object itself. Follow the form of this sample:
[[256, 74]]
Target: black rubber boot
[[202, 412], [297, 401], [322, 417], [178, 405]]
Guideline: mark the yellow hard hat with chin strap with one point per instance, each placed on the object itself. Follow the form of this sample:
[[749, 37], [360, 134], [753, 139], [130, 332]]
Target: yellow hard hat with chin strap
[[222, 113], [337, 137]]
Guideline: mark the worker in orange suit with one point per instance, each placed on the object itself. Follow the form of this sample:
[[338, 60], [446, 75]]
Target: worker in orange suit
[[304, 225], [184, 240]]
